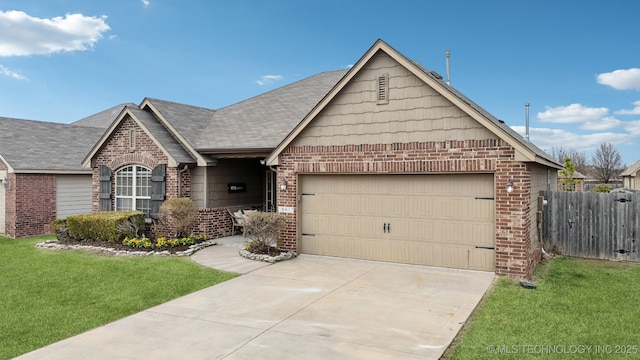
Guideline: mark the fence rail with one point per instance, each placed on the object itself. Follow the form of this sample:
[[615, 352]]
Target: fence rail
[[592, 225]]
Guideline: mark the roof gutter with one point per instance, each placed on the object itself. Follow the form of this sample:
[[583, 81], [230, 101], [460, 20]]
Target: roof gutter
[[54, 172], [240, 152]]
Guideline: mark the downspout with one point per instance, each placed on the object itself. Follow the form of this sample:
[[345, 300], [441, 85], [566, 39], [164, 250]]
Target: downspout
[[186, 167]]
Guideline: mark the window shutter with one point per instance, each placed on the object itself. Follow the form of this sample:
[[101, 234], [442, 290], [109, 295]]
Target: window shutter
[[158, 189], [105, 188]]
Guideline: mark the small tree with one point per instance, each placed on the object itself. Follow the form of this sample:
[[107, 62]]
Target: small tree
[[578, 158], [177, 218], [568, 182], [263, 229]]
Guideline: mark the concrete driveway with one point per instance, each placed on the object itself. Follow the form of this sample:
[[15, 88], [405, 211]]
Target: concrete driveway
[[310, 307]]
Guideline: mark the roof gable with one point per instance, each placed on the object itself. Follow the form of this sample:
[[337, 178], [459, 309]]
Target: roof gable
[[525, 151], [153, 128]]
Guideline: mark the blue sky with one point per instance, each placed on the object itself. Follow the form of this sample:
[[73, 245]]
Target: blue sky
[[577, 62]]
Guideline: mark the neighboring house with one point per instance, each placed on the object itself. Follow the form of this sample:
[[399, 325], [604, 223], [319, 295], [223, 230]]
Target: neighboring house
[[41, 175], [383, 161], [630, 177], [578, 182]]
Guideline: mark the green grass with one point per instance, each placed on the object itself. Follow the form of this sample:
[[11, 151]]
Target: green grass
[[50, 295], [577, 304]]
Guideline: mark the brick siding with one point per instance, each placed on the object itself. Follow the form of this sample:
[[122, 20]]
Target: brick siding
[[513, 242], [30, 204]]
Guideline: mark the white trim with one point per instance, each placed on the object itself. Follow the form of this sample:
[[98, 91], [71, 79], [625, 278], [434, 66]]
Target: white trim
[[134, 187]]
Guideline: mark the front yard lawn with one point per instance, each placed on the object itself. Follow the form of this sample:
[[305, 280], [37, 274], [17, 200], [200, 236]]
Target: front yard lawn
[[581, 309], [50, 295]]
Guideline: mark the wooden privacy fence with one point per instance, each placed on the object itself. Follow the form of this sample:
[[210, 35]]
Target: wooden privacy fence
[[591, 225]]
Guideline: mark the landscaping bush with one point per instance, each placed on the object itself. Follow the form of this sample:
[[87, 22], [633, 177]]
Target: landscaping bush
[[59, 228], [102, 225], [263, 229], [178, 217], [602, 188]]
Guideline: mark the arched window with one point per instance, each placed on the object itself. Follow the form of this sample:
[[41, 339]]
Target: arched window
[[133, 189]]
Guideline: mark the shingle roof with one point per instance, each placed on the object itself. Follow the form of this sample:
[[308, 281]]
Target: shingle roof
[[29, 145], [158, 131], [102, 119], [263, 121], [188, 120], [631, 170]]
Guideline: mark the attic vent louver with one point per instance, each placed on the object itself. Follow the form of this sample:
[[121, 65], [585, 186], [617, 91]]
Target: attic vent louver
[[132, 139], [383, 89]]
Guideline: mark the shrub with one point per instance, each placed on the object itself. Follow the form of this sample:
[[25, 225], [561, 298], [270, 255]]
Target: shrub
[[161, 242], [602, 188], [129, 228], [59, 228], [177, 218], [263, 229], [101, 225]]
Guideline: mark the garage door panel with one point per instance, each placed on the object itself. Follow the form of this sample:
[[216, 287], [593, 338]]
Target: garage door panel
[[435, 220]]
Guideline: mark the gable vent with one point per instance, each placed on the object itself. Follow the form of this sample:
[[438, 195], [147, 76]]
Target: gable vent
[[383, 89], [132, 139]]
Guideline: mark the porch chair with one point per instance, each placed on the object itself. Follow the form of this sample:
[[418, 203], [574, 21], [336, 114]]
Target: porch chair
[[237, 218]]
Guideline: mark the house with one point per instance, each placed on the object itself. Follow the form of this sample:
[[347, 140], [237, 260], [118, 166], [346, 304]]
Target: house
[[578, 182], [41, 175], [630, 175], [384, 161]]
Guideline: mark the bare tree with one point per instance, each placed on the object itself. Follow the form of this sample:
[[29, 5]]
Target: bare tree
[[578, 158], [607, 163]]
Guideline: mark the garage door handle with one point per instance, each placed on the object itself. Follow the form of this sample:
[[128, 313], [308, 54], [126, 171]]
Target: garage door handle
[[384, 228], [486, 247]]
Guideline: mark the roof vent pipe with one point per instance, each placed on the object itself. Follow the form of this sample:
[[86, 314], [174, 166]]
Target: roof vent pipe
[[448, 55], [526, 111]]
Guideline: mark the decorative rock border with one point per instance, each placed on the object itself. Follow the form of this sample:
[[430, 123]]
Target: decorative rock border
[[54, 244], [267, 258]]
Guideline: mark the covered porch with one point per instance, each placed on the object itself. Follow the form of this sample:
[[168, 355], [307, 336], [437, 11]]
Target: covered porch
[[231, 184]]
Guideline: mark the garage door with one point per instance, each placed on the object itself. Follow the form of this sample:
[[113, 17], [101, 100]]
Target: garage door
[[73, 195], [438, 220], [3, 174]]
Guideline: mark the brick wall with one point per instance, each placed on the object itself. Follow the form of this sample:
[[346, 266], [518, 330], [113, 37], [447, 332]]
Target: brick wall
[[481, 156], [30, 204], [216, 222]]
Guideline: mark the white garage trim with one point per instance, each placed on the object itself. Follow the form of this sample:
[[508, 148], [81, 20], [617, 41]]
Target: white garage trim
[[439, 220], [73, 195]]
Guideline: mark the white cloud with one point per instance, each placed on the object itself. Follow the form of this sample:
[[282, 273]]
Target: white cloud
[[573, 113], [633, 127], [547, 138], [605, 123], [22, 34], [634, 111], [145, 3], [268, 79], [5, 71], [621, 79]]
